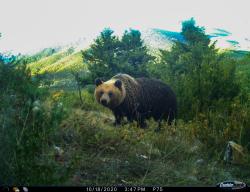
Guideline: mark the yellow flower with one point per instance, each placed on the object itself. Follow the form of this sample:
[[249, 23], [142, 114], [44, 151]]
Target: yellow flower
[[57, 95]]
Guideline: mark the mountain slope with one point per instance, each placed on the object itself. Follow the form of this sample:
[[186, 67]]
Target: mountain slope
[[59, 65], [65, 63], [58, 68], [159, 38], [38, 66]]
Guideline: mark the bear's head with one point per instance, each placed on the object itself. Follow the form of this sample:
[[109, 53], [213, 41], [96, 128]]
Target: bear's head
[[110, 93]]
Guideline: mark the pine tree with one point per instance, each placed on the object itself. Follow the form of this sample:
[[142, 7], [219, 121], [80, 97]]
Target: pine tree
[[200, 75], [101, 57], [108, 55], [134, 55]]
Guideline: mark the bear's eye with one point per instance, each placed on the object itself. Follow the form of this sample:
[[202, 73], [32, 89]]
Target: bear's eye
[[110, 94], [101, 92]]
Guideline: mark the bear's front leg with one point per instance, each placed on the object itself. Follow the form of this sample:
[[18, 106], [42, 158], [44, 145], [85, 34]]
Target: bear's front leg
[[118, 118], [142, 124], [141, 121], [129, 118]]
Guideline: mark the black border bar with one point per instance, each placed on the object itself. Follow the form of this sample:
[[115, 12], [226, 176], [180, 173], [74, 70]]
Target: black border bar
[[111, 189]]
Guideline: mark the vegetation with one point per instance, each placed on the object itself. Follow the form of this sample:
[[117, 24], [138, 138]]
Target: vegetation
[[108, 55], [53, 133], [28, 127], [207, 87], [25, 59], [199, 74], [58, 68]]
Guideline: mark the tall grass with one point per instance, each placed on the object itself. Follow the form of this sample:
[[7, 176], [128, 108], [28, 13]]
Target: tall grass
[[27, 129], [47, 137]]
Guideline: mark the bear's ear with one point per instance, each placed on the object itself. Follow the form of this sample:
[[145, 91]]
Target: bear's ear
[[98, 82], [118, 83]]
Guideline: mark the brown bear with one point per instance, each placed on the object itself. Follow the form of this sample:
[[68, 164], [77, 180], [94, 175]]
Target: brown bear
[[137, 99]]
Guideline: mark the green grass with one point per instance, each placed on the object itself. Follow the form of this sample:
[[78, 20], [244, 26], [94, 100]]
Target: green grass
[[71, 144], [243, 73], [94, 152], [67, 63], [238, 54], [37, 66], [58, 68], [59, 62], [97, 153]]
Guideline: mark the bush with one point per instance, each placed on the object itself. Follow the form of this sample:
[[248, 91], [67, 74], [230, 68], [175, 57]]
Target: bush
[[208, 90], [27, 129]]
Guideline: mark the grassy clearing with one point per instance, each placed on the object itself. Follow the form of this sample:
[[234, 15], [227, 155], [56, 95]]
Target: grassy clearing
[[59, 62], [58, 68], [64, 143], [69, 144], [97, 153], [67, 63], [40, 64]]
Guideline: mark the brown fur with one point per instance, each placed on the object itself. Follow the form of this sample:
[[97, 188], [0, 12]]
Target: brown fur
[[105, 88], [137, 99]]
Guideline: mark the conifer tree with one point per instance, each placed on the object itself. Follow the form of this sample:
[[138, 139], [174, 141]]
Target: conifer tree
[[199, 73], [109, 55], [101, 57], [134, 55]]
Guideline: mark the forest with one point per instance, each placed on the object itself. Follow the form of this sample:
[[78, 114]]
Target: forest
[[53, 132]]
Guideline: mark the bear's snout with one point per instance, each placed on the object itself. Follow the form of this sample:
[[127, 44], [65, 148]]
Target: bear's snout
[[104, 102]]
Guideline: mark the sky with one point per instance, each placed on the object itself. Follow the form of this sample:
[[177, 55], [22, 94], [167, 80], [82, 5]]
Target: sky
[[29, 25]]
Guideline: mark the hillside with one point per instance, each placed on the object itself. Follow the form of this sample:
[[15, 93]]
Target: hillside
[[160, 38], [60, 135], [58, 68], [101, 154]]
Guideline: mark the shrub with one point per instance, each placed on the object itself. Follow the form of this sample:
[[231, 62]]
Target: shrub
[[27, 129]]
